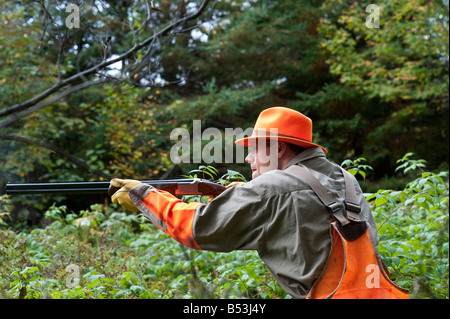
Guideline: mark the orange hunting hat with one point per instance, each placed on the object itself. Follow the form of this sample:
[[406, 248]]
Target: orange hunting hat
[[292, 127]]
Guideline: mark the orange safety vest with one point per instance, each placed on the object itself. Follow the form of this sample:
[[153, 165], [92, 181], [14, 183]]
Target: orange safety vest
[[354, 269]]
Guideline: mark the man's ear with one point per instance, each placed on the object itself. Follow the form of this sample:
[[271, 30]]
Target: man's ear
[[282, 148]]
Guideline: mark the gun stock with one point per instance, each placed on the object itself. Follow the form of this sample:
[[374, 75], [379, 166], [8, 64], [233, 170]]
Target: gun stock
[[182, 186]]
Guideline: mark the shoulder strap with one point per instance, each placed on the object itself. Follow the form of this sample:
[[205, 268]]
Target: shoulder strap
[[350, 224], [333, 207], [352, 208]]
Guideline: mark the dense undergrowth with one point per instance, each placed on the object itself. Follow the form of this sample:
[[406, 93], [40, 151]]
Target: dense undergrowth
[[121, 256]]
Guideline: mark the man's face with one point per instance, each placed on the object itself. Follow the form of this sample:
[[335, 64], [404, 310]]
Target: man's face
[[262, 156]]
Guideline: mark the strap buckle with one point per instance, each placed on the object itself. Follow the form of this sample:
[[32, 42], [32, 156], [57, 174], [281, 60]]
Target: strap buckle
[[353, 207], [352, 211], [333, 207]]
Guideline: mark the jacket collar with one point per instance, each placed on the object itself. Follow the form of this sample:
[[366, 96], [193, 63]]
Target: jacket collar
[[306, 155]]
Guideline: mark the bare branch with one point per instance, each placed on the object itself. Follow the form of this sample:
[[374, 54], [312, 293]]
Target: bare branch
[[102, 65], [17, 116]]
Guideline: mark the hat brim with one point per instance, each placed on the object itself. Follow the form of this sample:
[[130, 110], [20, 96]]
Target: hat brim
[[292, 140]]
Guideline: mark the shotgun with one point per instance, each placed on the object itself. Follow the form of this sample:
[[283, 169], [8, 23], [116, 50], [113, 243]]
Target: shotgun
[[181, 186]]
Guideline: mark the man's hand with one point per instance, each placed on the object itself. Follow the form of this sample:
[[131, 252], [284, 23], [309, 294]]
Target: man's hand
[[122, 197]]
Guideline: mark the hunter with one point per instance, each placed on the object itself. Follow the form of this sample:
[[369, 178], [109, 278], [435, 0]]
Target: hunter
[[305, 216]]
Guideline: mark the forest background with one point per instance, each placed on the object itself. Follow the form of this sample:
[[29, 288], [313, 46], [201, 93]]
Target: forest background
[[99, 99]]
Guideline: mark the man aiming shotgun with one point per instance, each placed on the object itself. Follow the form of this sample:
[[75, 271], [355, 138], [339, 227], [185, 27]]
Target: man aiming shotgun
[[305, 216]]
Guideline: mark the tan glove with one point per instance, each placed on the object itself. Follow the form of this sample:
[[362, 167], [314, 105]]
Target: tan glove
[[122, 197]]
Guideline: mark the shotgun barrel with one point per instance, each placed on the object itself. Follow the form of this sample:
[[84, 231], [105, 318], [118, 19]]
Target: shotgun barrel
[[180, 186]]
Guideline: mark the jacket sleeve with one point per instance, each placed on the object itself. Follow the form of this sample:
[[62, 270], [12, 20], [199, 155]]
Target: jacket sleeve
[[236, 219], [233, 220], [167, 212]]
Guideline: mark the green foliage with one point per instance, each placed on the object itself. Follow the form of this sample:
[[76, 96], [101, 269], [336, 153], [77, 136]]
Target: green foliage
[[210, 172], [354, 167], [387, 91], [18, 61], [410, 164], [413, 228], [122, 256], [390, 62]]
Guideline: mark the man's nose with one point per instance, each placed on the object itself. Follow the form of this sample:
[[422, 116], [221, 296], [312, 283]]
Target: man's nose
[[249, 158]]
